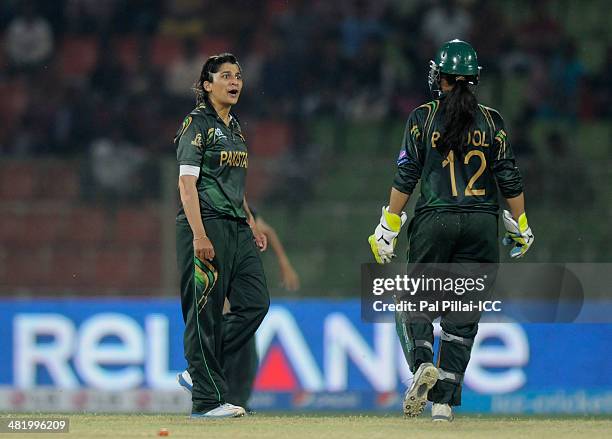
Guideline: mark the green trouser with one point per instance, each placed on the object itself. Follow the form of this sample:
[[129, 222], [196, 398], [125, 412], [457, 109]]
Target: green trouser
[[210, 337], [240, 370], [446, 237]]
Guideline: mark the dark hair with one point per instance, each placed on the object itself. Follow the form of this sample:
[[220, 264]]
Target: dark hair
[[211, 66], [458, 108]]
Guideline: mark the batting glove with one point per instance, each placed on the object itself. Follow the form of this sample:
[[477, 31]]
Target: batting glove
[[382, 242], [518, 234]]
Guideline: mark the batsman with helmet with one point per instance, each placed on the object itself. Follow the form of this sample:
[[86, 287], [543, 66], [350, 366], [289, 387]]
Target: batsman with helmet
[[459, 151]]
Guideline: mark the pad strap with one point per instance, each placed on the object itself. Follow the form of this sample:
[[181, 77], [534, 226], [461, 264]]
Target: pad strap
[[423, 344], [452, 377], [445, 336]]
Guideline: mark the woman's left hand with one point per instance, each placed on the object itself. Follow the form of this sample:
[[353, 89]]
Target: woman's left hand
[[260, 238]]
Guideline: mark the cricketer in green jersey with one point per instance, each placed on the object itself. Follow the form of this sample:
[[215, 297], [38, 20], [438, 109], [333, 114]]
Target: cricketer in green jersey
[[218, 242], [241, 369], [459, 151]]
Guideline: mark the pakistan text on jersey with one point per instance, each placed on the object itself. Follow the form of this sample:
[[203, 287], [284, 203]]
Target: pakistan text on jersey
[[234, 158]]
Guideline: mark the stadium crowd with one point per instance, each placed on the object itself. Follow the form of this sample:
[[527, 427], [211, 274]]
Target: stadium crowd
[[88, 76], [92, 93]]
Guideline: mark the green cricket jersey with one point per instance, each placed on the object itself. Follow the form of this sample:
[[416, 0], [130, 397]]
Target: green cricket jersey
[[467, 183], [221, 154]]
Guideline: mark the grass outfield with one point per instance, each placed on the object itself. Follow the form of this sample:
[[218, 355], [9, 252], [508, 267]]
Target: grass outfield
[[313, 427]]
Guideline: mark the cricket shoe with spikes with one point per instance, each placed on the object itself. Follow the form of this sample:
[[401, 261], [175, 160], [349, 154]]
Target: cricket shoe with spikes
[[415, 398], [441, 413], [223, 411]]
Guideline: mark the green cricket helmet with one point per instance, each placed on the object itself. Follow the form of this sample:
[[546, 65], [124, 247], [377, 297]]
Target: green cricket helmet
[[456, 58]]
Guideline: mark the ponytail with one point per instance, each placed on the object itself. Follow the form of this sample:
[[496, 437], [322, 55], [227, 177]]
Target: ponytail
[[458, 108]]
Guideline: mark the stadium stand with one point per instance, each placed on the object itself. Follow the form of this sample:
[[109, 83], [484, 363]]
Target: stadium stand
[[61, 233]]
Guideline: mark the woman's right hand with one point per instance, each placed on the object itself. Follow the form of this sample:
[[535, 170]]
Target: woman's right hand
[[203, 248]]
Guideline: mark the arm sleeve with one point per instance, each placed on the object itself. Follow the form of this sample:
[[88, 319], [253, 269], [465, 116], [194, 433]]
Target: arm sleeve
[[504, 167], [411, 157], [190, 142]]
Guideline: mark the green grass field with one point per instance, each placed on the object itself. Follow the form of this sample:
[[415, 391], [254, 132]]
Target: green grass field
[[313, 427]]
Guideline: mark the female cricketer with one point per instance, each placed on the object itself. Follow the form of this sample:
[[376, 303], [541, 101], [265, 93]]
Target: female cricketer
[[459, 150], [241, 368], [217, 239]]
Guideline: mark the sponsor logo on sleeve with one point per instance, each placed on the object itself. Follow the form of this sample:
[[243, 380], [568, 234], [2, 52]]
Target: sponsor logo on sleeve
[[403, 157]]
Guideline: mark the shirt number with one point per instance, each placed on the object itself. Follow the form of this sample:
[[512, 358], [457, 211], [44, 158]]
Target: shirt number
[[469, 190]]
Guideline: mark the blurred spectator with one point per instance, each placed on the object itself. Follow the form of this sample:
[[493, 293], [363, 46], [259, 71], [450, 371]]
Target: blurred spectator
[[29, 40], [73, 124], [368, 99], [184, 18], [144, 115], [278, 78], [140, 16], [521, 144], [567, 72], [242, 17], [563, 171], [146, 78], [116, 166], [363, 59], [446, 21], [490, 44], [515, 59], [297, 26], [108, 77], [327, 78], [27, 140], [601, 88], [252, 65], [297, 169], [37, 124], [540, 33], [539, 91], [181, 75], [90, 16], [360, 24]]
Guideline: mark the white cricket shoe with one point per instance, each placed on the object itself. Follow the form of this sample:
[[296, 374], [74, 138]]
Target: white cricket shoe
[[415, 397], [223, 411], [441, 413], [184, 380]]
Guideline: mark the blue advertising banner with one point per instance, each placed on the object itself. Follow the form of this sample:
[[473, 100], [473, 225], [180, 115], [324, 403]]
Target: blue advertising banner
[[314, 355]]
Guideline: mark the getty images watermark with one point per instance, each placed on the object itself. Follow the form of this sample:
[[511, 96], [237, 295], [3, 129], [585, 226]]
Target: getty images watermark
[[523, 292], [433, 294]]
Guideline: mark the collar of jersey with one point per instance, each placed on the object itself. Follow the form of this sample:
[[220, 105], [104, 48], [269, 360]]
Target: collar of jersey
[[212, 112]]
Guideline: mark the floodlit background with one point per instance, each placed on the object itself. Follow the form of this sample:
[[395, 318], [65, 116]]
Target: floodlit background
[[93, 91]]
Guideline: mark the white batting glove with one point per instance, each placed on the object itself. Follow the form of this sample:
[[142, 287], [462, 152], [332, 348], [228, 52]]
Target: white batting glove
[[382, 242], [518, 234]]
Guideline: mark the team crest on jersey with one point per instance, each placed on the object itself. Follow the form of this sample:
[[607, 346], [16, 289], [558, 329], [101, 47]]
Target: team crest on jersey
[[220, 134], [213, 134], [197, 141]]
